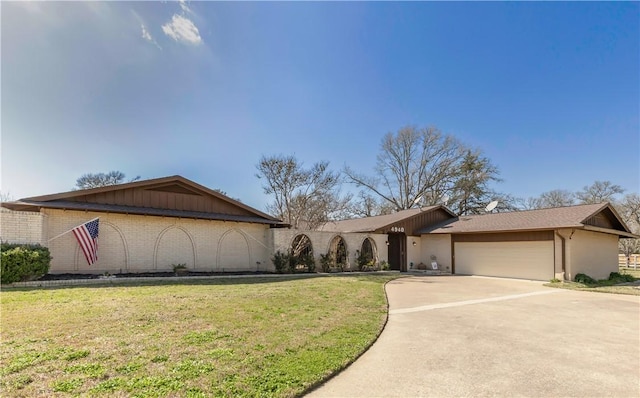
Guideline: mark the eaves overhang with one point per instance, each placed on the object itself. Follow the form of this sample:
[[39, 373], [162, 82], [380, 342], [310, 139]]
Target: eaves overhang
[[147, 211]]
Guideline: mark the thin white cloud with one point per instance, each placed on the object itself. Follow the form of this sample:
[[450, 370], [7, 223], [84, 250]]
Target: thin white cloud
[[182, 29], [147, 36], [183, 5], [145, 33]]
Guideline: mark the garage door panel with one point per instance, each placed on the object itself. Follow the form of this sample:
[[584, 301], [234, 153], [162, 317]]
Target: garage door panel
[[527, 260]]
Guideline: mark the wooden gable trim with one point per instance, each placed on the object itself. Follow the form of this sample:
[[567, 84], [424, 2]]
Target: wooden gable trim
[[606, 218], [165, 197], [411, 225]]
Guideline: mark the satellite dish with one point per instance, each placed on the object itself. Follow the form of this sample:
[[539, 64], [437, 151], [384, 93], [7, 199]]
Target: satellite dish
[[445, 199], [491, 206]]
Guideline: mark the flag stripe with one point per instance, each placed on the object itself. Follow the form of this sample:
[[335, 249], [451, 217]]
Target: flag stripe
[[87, 237]]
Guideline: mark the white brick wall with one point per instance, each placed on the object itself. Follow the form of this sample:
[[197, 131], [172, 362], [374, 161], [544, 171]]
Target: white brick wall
[[133, 243], [21, 226], [283, 239]]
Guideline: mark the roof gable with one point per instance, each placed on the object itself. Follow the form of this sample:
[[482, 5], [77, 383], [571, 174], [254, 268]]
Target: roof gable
[[607, 217], [172, 196], [407, 221]]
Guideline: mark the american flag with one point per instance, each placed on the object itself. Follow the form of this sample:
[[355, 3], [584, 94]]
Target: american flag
[[87, 236]]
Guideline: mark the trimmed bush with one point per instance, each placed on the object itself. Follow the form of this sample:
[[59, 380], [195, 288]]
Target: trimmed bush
[[288, 263], [621, 278], [308, 261], [326, 261], [585, 279], [280, 261], [23, 262]]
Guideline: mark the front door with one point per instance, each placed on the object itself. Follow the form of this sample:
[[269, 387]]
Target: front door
[[398, 251]]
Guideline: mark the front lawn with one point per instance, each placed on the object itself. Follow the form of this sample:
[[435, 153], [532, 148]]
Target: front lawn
[[225, 337]]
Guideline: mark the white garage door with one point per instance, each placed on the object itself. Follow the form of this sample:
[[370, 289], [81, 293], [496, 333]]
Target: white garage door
[[526, 260]]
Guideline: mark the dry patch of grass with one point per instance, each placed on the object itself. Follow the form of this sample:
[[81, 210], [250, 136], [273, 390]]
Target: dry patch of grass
[[217, 338], [635, 272], [631, 290]]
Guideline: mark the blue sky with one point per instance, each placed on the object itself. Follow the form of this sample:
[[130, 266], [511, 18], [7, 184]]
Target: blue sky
[[550, 92]]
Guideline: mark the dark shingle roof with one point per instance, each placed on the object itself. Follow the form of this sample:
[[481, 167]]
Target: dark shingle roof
[[371, 224], [530, 220]]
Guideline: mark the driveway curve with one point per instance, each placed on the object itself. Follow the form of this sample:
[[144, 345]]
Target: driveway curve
[[459, 336]]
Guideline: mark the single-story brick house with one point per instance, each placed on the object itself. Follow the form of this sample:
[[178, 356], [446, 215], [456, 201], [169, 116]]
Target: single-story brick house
[[146, 226], [150, 225]]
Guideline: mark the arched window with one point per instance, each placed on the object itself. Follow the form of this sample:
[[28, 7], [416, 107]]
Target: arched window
[[367, 252], [301, 246], [302, 254], [338, 251]]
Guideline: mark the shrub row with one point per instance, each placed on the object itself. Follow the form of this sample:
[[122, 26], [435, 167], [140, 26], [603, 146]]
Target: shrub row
[[617, 277], [289, 263], [22, 262], [614, 278]]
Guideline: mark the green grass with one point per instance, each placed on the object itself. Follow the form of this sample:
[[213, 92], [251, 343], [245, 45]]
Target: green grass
[[630, 271], [603, 285], [194, 339]]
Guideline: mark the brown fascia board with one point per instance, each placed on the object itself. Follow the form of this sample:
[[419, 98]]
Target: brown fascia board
[[501, 231], [19, 205], [119, 209], [149, 183], [611, 231]]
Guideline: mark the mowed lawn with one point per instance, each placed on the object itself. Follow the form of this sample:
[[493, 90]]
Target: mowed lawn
[[224, 337]]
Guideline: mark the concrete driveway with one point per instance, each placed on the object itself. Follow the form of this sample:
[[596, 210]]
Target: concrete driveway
[[458, 336]]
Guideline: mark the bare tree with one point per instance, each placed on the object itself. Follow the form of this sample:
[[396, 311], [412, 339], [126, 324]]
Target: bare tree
[[629, 210], [530, 203], [367, 206], [506, 203], [556, 198], [413, 164], [90, 180], [301, 197], [422, 165], [599, 192], [6, 197]]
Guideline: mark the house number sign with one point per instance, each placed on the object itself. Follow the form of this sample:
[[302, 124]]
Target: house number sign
[[397, 229]]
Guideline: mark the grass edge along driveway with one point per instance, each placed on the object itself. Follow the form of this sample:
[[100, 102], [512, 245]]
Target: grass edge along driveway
[[258, 337], [623, 282]]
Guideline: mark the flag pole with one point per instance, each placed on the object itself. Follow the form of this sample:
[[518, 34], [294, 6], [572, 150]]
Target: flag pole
[[64, 233]]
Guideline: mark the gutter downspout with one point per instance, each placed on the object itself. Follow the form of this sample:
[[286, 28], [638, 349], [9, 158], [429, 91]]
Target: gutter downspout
[[563, 254]]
